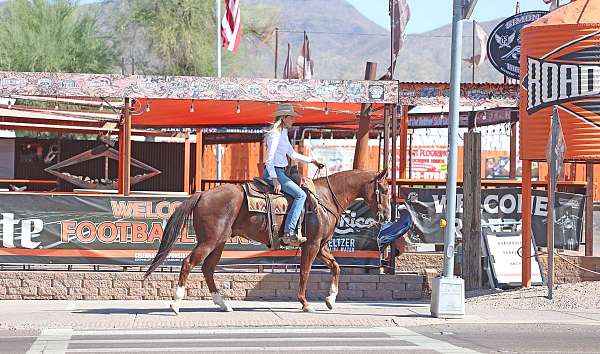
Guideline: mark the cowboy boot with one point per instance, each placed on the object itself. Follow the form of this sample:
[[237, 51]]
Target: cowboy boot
[[293, 239]]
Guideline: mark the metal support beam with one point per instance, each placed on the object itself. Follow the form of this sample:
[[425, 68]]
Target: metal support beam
[[514, 118], [526, 226], [198, 162], [394, 115], [404, 153], [186, 163], [589, 209]]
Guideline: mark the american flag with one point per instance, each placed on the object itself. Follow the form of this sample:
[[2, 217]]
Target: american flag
[[231, 26]]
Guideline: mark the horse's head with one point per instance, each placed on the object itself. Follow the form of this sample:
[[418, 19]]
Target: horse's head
[[377, 196]]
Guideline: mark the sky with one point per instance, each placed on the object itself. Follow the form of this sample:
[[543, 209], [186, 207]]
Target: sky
[[424, 19]]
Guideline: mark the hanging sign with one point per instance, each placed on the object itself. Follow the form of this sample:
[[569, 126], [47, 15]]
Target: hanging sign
[[504, 43]]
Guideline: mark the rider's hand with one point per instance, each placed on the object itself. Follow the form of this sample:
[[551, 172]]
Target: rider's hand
[[318, 164], [276, 185]]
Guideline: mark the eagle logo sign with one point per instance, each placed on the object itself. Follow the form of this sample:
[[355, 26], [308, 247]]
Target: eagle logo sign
[[505, 41]]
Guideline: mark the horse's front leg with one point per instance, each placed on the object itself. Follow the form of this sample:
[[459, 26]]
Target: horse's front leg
[[326, 257], [208, 269], [309, 252]]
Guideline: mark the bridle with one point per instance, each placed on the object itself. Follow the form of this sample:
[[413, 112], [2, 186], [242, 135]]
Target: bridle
[[378, 197], [339, 206]]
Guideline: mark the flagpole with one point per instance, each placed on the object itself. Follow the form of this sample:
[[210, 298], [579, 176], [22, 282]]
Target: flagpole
[[219, 40], [218, 27]]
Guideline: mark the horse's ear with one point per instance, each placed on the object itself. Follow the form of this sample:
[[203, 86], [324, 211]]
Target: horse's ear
[[381, 175]]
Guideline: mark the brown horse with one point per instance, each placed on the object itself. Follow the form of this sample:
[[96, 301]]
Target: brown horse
[[222, 212]]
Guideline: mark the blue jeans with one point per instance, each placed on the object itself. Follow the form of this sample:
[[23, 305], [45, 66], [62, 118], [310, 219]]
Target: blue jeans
[[289, 187]]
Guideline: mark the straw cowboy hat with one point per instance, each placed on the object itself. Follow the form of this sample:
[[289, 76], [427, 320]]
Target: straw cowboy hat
[[285, 109]]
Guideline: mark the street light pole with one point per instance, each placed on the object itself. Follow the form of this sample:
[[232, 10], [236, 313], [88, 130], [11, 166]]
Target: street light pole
[[453, 138], [447, 299]]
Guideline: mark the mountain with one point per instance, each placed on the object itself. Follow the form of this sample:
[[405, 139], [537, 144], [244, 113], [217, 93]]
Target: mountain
[[342, 41]]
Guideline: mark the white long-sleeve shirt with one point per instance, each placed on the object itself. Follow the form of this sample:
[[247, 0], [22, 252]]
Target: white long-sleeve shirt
[[278, 147]]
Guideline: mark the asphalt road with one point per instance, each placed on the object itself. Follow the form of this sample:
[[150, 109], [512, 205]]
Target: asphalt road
[[517, 338], [447, 338]]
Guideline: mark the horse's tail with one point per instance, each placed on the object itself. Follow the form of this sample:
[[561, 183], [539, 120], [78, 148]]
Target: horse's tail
[[172, 231]]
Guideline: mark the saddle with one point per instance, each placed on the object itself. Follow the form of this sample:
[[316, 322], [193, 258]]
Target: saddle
[[261, 198]]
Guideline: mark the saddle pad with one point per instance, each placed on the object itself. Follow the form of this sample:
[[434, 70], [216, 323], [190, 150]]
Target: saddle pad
[[257, 201]]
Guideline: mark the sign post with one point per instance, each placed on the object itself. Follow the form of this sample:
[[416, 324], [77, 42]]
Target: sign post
[[556, 155]]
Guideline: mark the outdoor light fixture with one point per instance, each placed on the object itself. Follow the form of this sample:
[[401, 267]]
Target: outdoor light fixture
[[326, 108], [147, 107], [56, 104], [192, 107], [102, 105], [237, 110], [9, 102]]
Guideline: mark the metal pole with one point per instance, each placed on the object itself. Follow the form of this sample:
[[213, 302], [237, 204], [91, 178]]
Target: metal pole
[[551, 198], [473, 51], [218, 27], [218, 17], [453, 138], [276, 48], [391, 10]]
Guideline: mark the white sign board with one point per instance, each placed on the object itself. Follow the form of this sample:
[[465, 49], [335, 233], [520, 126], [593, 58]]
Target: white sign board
[[505, 259]]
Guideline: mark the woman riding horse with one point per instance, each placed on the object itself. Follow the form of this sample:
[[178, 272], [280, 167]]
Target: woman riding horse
[[222, 212], [278, 148]]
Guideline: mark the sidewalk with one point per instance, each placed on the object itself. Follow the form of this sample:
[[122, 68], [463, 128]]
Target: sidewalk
[[39, 314]]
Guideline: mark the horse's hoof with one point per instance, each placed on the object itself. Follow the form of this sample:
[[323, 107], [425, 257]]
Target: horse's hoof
[[175, 309], [308, 309], [329, 304], [226, 309]]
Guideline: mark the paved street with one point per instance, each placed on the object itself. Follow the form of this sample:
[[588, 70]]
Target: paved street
[[241, 340], [255, 326]]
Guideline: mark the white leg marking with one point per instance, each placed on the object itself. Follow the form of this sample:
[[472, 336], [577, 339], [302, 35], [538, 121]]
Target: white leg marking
[[179, 295], [219, 301], [330, 300]]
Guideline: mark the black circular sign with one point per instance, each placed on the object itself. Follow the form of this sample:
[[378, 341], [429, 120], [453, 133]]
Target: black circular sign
[[504, 43]]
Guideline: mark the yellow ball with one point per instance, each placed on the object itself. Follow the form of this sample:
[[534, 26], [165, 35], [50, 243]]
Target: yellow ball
[[443, 223]]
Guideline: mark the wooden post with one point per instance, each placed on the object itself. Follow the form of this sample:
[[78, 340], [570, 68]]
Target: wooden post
[[472, 211], [589, 209], [125, 151], [198, 161], [526, 225], [186, 163], [514, 117], [404, 153], [361, 152]]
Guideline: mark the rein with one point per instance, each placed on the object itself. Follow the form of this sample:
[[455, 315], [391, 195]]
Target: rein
[[339, 206]]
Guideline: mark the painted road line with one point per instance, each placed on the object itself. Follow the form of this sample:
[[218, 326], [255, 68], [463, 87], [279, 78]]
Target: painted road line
[[226, 331], [423, 341], [251, 349], [220, 340], [51, 341]]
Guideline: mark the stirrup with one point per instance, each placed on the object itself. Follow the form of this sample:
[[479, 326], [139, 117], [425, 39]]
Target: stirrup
[[293, 239]]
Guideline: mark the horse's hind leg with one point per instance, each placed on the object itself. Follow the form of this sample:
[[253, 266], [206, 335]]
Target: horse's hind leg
[[326, 257], [199, 253], [208, 269]]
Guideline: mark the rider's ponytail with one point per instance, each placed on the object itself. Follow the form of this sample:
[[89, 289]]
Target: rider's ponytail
[[275, 127]]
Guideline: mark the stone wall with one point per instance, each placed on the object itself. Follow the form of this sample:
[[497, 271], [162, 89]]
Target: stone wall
[[565, 270], [238, 286]]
